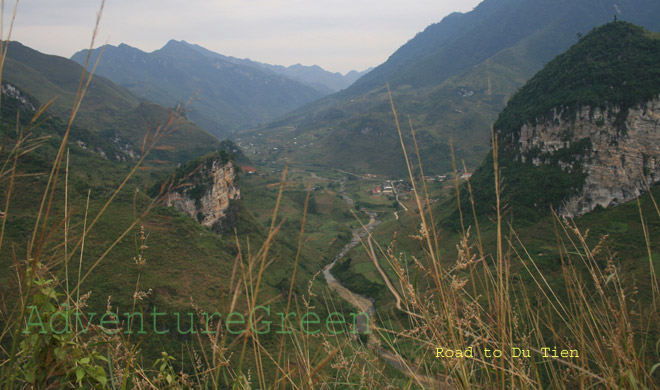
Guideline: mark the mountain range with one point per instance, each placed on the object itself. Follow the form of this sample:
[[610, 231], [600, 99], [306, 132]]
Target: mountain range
[[314, 76], [225, 93], [453, 79], [109, 110]]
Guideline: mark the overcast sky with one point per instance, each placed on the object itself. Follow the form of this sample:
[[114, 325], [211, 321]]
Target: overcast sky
[[338, 35]]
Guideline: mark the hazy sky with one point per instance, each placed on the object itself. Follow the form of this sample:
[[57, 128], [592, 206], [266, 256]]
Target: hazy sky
[[338, 35]]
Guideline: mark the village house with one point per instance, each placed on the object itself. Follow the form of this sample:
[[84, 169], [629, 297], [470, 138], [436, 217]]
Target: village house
[[248, 170], [376, 190]]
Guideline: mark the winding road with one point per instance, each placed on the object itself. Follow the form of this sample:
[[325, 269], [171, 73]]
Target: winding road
[[366, 305], [361, 302]]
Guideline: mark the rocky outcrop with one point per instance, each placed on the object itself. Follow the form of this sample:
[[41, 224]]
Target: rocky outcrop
[[617, 151], [13, 92], [206, 191]]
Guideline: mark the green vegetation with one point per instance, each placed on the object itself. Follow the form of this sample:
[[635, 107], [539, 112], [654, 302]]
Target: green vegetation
[[103, 243], [109, 110], [453, 79], [79, 230], [615, 65], [361, 279], [357, 135], [507, 285]]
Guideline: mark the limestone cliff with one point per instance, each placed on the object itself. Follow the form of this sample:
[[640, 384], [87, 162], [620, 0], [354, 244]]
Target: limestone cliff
[[205, 190], [584, 131], [617, 151]]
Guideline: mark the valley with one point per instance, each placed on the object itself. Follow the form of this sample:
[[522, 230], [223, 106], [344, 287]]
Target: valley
[[491, 186]]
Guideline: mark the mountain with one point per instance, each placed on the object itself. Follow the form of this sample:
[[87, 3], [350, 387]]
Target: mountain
[[174, 254], [582, 134], [108, 110], [317, 77], [226, 93], [452, 79], [95, 167], [314, 76]]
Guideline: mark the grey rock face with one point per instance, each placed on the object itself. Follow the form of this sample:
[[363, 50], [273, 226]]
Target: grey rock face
[[621, 158], [212, 187]]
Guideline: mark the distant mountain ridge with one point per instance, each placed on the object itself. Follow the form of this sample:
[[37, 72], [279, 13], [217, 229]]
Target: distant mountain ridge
[[314, 76], [227, 93], [317, 77]]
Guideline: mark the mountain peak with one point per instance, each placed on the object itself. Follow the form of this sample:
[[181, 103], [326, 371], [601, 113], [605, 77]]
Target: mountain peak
[[582, 132], [612, 65], [121, 46], [173, 42], [178, 48]]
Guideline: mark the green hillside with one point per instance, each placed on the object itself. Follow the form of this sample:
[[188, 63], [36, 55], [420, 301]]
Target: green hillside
[[556, 278], [614, 65], [90, 171], [108, 110], [453, 79], [135, 244]]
